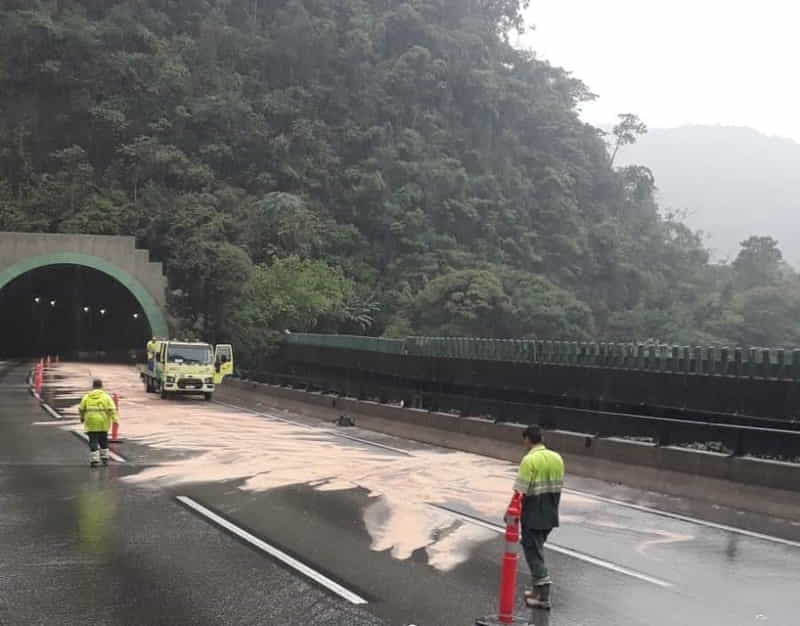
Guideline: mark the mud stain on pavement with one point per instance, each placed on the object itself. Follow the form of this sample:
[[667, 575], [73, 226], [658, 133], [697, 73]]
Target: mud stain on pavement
[[221, 444]]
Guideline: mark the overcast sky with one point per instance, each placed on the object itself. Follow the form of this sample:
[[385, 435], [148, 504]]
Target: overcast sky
[[677, 62]]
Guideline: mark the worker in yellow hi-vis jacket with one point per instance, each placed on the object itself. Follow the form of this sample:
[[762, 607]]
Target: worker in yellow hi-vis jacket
[[539, 482], [97, 413], [153, 346]]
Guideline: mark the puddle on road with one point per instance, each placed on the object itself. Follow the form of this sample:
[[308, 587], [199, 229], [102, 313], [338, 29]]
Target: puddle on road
[[222, 444]]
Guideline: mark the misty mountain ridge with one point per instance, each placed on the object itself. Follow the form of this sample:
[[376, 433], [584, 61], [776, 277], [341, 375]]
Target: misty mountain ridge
[[731, 182]]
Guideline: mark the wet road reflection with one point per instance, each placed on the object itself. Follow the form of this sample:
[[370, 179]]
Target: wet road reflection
[[97, 512]]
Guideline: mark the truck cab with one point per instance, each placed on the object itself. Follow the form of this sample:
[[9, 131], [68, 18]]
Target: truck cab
[[188, 368]]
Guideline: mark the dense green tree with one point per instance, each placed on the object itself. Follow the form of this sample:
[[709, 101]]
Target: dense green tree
[[543, 310], [421, 173], [625, 132], [467, 302], [758, 263], [292, 295]]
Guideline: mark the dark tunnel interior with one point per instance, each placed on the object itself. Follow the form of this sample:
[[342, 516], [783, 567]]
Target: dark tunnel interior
[[71, 311]]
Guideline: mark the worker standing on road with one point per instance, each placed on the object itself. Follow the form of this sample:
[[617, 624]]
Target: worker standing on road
[[540, 478], [152, 349], [97, 413]]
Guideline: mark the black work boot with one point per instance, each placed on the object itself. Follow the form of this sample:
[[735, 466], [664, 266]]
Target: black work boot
[[540, 598]]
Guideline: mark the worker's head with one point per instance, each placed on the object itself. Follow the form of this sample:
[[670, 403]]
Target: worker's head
[[97, 384], [532, 435]]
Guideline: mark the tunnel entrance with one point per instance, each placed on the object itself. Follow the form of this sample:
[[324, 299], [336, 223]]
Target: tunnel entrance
[[72, 311]]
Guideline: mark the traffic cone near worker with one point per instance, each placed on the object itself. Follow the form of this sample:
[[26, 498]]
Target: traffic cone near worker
[[97, 412], [538, 484]]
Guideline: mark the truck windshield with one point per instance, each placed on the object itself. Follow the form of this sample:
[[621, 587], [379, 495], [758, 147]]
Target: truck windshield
[[189, 355]]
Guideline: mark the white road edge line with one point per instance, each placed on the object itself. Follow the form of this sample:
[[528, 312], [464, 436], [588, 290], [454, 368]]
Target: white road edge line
[[374, 444], [274, 552], [562, 550], [686, 518], [53, 413], [317, 428]]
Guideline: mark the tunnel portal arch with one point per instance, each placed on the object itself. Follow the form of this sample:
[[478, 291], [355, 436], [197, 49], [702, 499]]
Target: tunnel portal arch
[[116, 257]]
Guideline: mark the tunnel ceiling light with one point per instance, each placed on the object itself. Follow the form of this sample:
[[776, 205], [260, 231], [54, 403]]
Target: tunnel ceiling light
[[52, 302], [86, 309], [136, 316], [37, 299], [102, 311]]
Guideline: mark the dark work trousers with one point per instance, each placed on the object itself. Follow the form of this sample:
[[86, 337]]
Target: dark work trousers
[[98, 439], [533, 546]]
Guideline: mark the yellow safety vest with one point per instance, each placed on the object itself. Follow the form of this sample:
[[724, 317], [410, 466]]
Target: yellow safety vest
[[97, 411]]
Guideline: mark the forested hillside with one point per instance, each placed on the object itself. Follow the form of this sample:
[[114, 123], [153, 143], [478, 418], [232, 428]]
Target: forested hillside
[[354, 166], [733, 182]]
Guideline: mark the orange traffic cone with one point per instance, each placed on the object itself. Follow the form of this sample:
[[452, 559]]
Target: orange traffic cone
[[508, 572]]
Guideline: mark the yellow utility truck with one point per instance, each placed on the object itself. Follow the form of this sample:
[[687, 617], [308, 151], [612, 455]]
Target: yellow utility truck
[[181, 367]]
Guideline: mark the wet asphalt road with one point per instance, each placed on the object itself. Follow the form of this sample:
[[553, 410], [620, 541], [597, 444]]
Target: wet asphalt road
[[80, 547]]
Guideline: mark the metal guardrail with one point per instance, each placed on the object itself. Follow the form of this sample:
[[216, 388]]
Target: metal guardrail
[[711, 360], [731, 439]]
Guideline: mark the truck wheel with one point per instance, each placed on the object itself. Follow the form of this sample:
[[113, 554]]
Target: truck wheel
[[208, 396]]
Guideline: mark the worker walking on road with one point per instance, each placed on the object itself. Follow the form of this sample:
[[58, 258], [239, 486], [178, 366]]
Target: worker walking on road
[[97, 413], [540, 479]]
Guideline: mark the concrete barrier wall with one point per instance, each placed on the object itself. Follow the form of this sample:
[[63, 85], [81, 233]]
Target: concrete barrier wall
[[767, 487]]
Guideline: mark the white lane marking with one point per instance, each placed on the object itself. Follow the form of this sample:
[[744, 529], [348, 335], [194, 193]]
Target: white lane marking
[[274, 552], [317, 428], [608, 565], [372, 443], [686, 518], [53, 413], [113, 455], [560, 549]]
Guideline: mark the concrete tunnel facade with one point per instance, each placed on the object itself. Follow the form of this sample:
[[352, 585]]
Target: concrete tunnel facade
[[115, 256]]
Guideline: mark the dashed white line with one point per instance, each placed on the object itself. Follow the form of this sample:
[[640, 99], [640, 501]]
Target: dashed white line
[[274, 552], [686, 518], [560, 549]]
